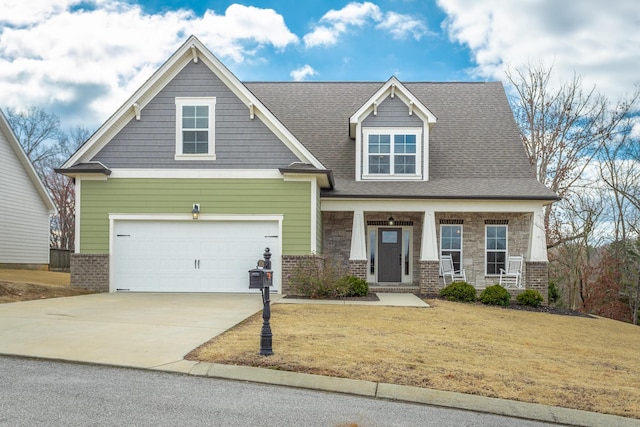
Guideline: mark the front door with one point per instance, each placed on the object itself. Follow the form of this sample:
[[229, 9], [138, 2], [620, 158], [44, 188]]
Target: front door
[[390, 254]]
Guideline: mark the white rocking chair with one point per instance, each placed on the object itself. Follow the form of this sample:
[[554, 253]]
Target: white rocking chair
[[512, 276], [448, 270]]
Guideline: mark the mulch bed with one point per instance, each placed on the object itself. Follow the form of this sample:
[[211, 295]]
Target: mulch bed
[[550, 309], [514, 306], [370, 297]]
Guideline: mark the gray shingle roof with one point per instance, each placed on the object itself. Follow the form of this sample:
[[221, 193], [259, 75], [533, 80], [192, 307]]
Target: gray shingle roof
[[475, 150]]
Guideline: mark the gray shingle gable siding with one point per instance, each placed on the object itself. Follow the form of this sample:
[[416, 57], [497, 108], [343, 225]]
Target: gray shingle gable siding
[[240, 143], [392, 112], [475, 150]]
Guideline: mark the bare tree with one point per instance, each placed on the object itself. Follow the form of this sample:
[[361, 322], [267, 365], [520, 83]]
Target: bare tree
[[620, 171], [563, 130], [39, 134]]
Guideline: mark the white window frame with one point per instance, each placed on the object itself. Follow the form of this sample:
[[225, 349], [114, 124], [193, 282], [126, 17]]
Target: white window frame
[[486, 250], [417, 131], [196, 101], [461, 267]]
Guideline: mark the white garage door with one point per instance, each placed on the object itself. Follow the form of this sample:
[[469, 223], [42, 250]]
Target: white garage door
[[191, 256]]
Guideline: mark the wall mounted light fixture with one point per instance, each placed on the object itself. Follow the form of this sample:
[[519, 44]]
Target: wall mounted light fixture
[[391, 221], [195, 212]]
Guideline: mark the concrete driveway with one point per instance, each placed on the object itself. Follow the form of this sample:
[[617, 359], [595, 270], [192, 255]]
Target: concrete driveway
[[144, 330]]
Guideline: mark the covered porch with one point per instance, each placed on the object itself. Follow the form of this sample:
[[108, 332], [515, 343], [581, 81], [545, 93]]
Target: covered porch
[[397, 245]]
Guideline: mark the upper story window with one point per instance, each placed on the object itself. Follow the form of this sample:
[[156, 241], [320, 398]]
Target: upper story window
[[392, 153], [195, 128]]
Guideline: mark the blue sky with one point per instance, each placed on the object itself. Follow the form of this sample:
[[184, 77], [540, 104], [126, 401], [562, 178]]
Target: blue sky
[[81, 59]]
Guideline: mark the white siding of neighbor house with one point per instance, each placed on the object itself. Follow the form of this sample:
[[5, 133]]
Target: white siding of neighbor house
[[24, 217]]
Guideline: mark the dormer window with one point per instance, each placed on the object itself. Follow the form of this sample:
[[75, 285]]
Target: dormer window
[[392, 153]]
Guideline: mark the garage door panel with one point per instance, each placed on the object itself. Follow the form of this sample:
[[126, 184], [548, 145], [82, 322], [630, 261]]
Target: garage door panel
[[190, 256]]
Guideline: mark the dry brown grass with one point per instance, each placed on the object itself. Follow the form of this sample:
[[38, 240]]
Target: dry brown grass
[[581, 363], [25, 285]]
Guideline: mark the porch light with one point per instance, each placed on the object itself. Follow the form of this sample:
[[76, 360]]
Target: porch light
[[391, 221], [195, 212]]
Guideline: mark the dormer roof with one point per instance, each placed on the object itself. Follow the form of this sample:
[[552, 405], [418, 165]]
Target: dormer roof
[[392, 88]]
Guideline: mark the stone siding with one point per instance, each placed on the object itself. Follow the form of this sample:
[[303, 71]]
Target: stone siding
[[90, 271], [336, 236], [473, 241]]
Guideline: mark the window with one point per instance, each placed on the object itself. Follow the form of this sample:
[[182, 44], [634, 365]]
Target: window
[[195, 128], [451, 243], [392, 152], [496, 241]]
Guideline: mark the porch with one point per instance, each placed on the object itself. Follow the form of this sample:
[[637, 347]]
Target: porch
[[399, 250]]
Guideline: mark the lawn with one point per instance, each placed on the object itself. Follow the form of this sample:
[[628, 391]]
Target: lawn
[[24, 285], [591, 364]]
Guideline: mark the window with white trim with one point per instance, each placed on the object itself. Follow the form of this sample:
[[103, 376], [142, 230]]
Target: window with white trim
[[392, 152], [451, 243], [195, 128], [496, 248]]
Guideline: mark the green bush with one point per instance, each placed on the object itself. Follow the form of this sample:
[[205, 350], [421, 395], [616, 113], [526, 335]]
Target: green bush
[[554, 292], [318, 277], [459, 291], [495, 295], [355, 286], [530, 297]]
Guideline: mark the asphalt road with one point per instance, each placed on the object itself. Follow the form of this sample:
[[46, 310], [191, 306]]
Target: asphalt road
[[49, 393]]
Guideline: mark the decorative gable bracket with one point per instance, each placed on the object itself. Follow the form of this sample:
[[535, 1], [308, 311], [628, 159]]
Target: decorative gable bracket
[[392, 88]]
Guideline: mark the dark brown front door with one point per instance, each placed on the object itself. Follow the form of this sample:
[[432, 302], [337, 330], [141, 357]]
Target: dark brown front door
[[390, 254]]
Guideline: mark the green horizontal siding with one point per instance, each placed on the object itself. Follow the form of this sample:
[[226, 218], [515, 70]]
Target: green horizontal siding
[[176, 196]]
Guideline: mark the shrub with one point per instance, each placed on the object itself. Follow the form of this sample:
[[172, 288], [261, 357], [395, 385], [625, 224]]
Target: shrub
[[355, 286], [554, 292], [459, 291], [495, 295], [530, 297], [317, 277]]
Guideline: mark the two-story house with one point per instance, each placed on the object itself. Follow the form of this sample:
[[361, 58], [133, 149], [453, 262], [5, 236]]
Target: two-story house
[[385, 176]]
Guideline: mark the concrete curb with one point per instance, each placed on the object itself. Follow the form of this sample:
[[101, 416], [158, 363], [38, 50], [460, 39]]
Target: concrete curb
[[529, 411]]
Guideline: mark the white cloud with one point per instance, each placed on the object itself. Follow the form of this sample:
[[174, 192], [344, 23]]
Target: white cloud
[[82, 63], [402, 26], [300, 74], [598, 42], [355, 15]]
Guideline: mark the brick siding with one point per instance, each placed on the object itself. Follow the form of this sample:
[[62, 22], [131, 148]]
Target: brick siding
[[90, 271]]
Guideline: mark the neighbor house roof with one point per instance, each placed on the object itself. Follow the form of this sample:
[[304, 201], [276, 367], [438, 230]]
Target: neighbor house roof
[[475, 150]]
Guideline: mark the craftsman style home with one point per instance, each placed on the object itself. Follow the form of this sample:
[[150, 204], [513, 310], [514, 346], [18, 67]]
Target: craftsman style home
[[183, 188]]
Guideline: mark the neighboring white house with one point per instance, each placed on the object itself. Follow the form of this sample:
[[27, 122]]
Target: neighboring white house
[[25, 207]]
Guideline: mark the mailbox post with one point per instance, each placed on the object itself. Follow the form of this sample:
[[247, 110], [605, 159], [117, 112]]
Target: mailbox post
[[261, 278]]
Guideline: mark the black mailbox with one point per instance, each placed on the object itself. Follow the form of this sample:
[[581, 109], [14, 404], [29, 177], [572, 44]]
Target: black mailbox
[[256, 278], [260, 278]]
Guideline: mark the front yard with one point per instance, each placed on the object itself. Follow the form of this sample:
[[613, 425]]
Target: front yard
[[583, 363]]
